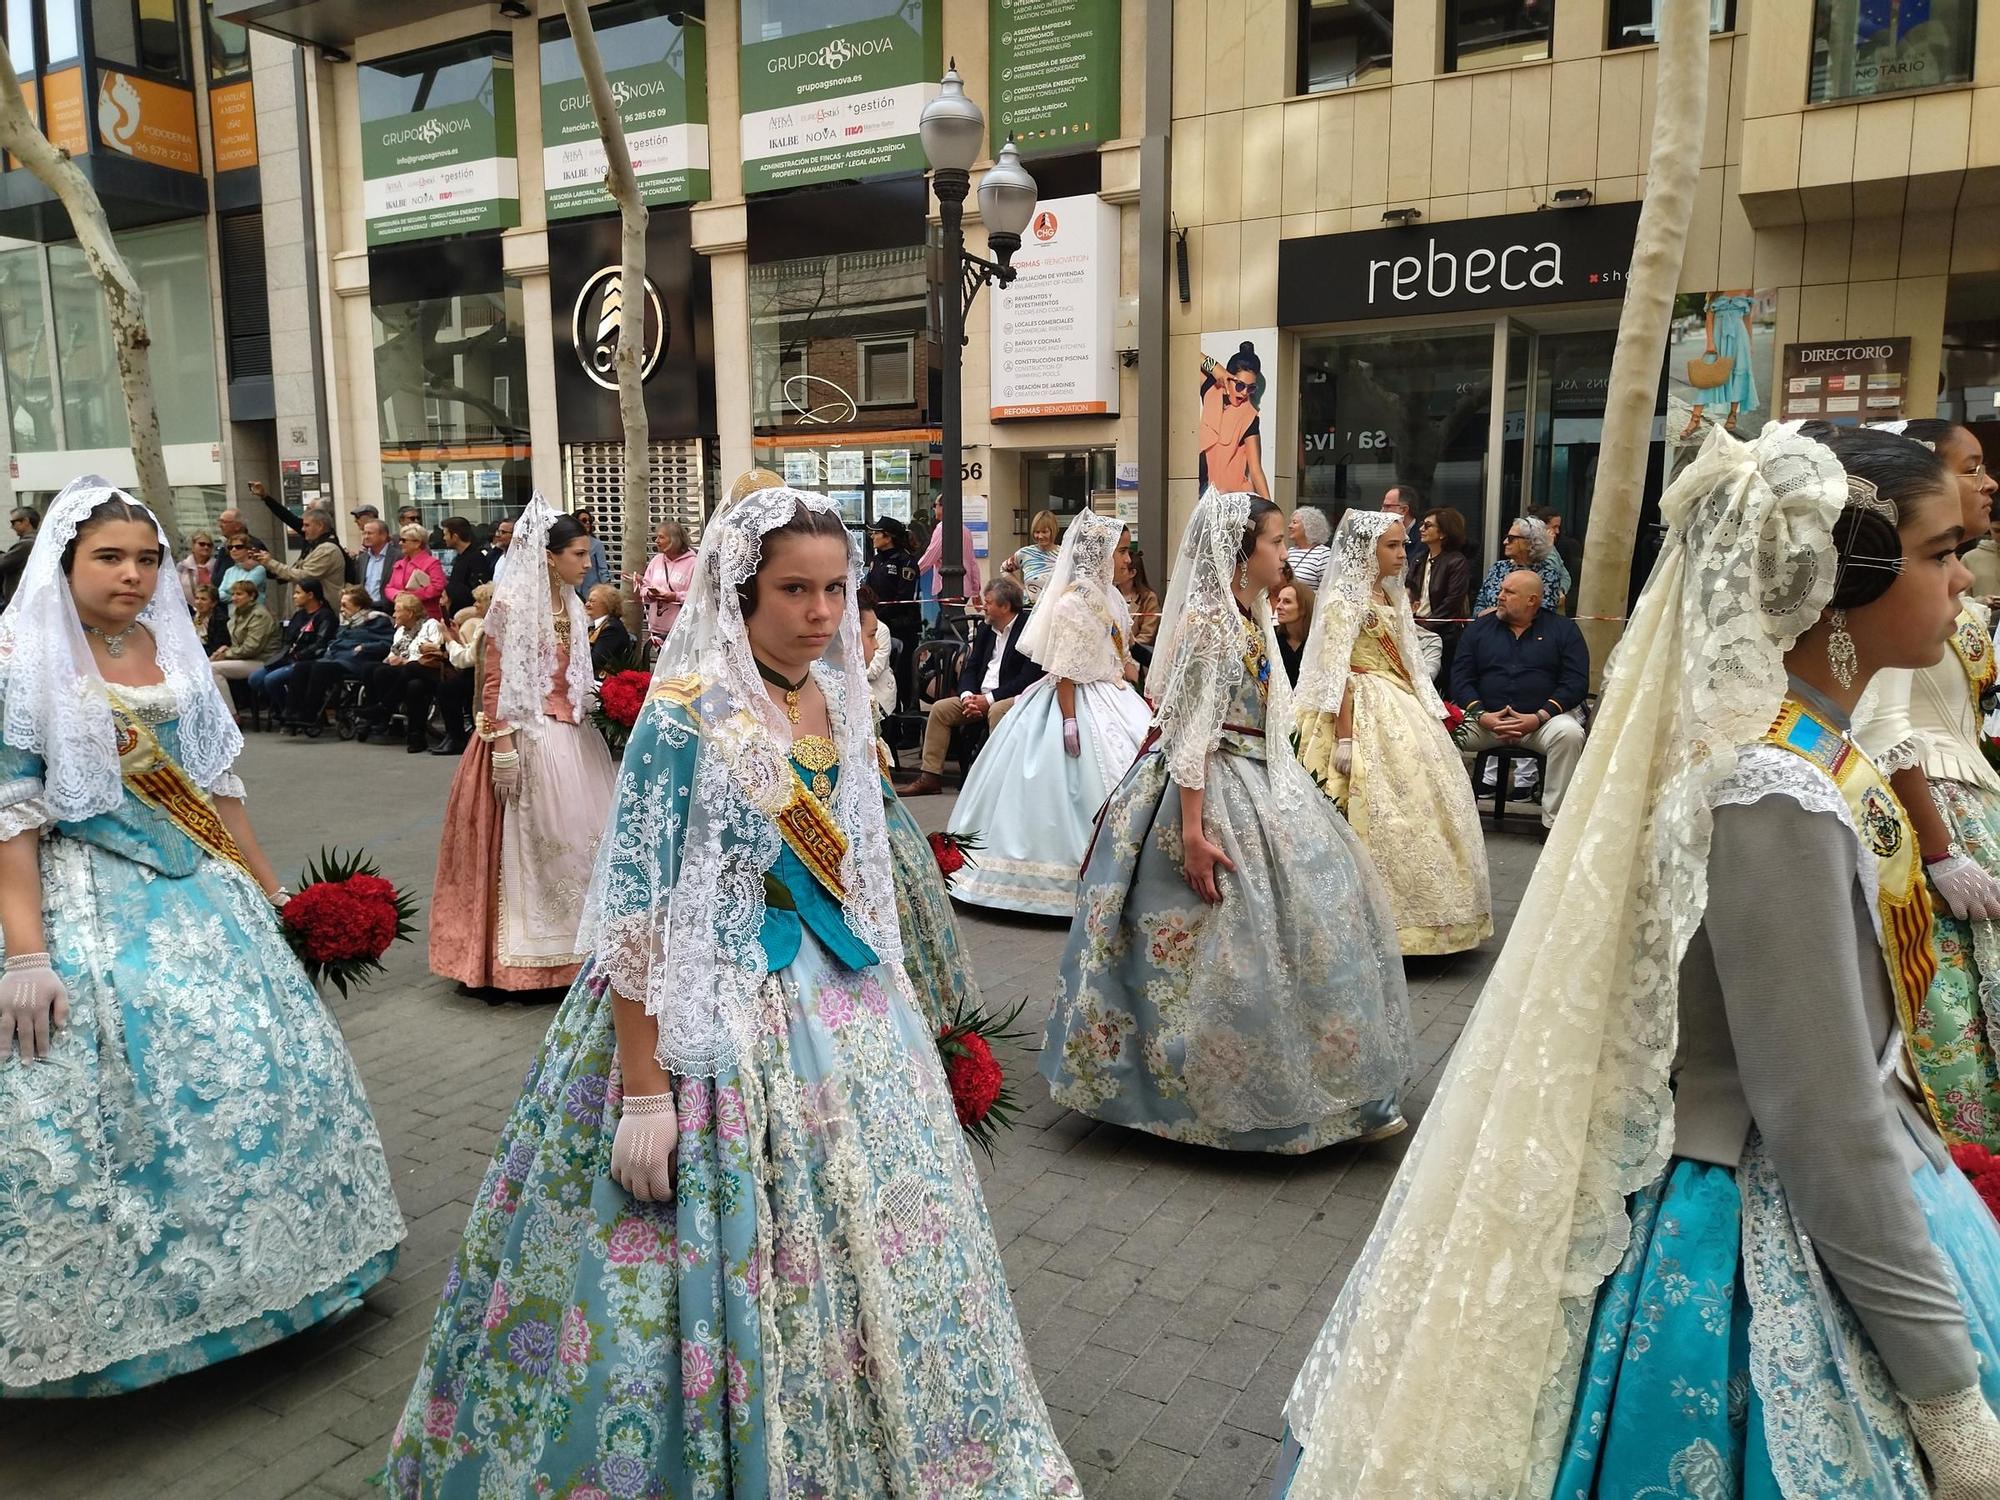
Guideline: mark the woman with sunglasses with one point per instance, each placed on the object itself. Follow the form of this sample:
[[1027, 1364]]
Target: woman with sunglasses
[[1922, 728], [1527, 547], [242, 548], [1231, 441]]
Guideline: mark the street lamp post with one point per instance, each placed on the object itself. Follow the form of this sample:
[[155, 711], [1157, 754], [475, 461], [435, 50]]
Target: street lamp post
[[953, 129]]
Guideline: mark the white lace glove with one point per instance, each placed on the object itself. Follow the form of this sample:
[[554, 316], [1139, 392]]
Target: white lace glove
[[642, 1153], [33, 1005], [1072, 739], [1343, 756], [1961, 1437], [506, 774], [1967, 889]]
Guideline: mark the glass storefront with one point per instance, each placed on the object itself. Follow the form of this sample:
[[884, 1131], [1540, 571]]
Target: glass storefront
[[1385, 409], [1969, 390], [451, 380]]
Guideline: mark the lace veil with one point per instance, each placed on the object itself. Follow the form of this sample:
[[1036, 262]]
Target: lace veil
[[1070, 642], [1449, 1364], [1199, 663], [1344, 594], [54, 700], [522, 619], [682, 934]]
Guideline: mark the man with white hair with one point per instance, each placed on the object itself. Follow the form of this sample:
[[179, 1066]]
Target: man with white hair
[[1520, 674], [1309, 552], [323, 560]]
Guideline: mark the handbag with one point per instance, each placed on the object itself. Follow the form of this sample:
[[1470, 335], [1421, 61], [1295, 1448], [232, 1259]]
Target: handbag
[[1707, 371]]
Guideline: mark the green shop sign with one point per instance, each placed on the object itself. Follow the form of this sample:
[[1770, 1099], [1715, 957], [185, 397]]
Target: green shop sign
[[824, 102], [662, 94], [1053, 72], [448, 169]]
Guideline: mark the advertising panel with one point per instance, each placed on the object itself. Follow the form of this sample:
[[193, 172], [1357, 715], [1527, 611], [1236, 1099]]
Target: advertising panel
[[833, 88], [1051, 353], [659, 75], [1719, 358], [1239, 370], [147, 121], [232, 116], [1850, 381], [1052, 72], [444, 170]]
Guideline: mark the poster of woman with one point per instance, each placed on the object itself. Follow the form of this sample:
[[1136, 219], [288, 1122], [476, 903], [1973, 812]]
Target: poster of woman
[[1719, 364], [1236, 370]]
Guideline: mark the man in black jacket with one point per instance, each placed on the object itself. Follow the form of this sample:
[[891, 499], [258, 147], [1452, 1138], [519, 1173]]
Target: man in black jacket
[[472, 564], [1520, 674], [995, 674]]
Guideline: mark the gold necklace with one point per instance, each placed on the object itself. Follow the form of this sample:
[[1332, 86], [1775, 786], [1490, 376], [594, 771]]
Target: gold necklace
[[817, 754], [791, 689]]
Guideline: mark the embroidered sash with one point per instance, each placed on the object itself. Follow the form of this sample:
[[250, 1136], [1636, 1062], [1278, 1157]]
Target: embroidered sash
[[810, 833], [1902, 902], [1974, 649], [157, 780]]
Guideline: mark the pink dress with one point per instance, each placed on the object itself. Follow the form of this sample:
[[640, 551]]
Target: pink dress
[[511, 877]]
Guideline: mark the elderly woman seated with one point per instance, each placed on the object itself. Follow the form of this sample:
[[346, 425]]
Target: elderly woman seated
[[1528, 546]]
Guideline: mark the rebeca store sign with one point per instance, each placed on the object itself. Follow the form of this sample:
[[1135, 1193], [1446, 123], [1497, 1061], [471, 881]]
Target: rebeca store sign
[[1464, 265]]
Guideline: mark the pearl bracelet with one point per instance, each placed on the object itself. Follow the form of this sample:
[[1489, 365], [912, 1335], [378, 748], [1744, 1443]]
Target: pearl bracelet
[[640, 1105], [16, 962]]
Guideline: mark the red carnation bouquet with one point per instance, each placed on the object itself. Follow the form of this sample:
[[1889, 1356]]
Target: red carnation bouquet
[[619, 699], [953, 851], [980, 1093], [1982, 1169], [344, 919]]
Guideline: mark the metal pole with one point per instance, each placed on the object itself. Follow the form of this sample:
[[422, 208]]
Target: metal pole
[[951, 185]]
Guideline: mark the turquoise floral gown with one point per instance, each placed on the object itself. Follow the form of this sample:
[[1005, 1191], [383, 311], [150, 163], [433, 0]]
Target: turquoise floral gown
[[1277, 1021], [933, 955], [820, 1312], [192, 1172]]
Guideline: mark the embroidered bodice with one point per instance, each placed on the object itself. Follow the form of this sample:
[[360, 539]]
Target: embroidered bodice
[[1375, 651], [817, 763], [1248, 698], [139, 832]]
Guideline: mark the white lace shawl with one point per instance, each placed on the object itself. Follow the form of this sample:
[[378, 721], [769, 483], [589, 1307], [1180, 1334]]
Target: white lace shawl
[[1200, 660], [1069, 634], [684, 938], [522, 619], [1345, 595], [1448, 1367], [55, 703]]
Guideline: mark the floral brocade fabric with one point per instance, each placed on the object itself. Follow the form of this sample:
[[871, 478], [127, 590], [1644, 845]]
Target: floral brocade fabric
[[821, 1311], [1276, 1021]]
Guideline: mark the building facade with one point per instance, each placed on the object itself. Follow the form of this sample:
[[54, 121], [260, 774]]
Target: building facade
[[191, 130], [1317, 247]]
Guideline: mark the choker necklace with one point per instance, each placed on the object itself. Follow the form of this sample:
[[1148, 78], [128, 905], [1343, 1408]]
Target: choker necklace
[[792, 689], [114, 640]]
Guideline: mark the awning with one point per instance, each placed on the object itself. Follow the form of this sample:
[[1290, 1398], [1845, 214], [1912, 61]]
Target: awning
[[330, 23]]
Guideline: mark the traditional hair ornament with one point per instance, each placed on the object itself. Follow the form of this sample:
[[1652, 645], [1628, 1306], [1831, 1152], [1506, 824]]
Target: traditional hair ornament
[[1900, 427], [1865, 494]]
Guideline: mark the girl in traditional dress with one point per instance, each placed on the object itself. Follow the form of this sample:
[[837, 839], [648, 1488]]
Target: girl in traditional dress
[[188, 1167], [1675, 1224], [1036, 787], [1371, 731], [732, 1243], [1922, 728], [1232, 977], [528, 803]]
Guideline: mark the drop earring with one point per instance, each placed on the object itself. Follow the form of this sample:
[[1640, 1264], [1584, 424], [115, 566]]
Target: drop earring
[[1840, 655]]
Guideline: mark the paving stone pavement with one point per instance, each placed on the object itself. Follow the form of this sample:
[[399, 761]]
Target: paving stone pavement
[[1168, 1293]]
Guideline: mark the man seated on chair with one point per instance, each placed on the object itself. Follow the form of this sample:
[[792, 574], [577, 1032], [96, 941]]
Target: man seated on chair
[[1520, 674], [994, 675]]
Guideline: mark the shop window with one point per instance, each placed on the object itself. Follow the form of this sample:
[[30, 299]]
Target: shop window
[[831, 335], [1343, 43], [1398, 408], [1493, 33], [884, 369], [228, 46], [145, 36], [24, 343], [21, 35], [1862, 48], [1635, 23], [458, 74]]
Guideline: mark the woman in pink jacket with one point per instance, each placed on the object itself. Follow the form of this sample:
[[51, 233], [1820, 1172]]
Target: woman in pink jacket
[[417, 572]]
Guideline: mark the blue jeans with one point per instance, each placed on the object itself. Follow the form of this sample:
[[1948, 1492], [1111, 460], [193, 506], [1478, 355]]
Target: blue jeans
[[268, 683]]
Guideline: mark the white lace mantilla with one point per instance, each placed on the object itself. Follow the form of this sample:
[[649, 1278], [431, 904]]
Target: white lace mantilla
[[1449, 1365]]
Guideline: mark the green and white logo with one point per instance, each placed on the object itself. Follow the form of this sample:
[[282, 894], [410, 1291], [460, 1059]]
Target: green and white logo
[[662, 98], [447, 170]]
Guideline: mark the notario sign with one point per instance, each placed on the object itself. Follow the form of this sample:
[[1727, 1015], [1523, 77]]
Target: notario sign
[[1462, 265]]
